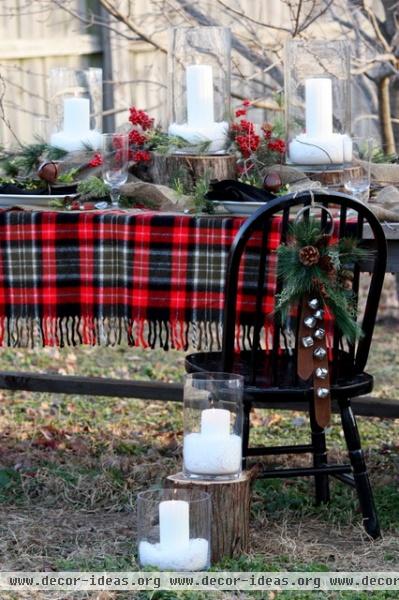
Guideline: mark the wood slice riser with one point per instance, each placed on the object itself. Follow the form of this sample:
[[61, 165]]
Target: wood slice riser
[[164, 169]]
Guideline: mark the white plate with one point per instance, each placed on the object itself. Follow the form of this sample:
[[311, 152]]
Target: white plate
[[238, 208], [27, 200]]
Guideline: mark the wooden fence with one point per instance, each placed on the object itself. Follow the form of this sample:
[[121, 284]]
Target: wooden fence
[[34, 39], [36, 36]]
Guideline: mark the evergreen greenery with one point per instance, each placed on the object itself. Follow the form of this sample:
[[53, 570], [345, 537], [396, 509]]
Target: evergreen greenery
[[93, 187], [327, 284], [28, 158]]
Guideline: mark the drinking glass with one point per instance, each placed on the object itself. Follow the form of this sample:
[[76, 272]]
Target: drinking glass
[[357, 173], [115, 154]]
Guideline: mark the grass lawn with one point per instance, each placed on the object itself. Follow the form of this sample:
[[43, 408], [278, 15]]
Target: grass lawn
[[71, 468]]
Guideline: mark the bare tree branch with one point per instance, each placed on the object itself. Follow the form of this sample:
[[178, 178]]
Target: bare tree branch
[[256, 59], [242, 15]]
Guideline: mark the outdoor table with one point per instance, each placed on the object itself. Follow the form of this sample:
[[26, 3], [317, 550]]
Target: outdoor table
[[107, 277]]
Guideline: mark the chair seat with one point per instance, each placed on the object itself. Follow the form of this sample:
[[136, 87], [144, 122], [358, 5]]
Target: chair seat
[[276, 375]]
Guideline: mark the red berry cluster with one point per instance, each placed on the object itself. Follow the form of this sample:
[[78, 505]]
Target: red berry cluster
[[254, 148], [243, 131], [96, 161], [141, 118], [140, 155], [141, 122], [245, 137], [137, 138], [277, 145]]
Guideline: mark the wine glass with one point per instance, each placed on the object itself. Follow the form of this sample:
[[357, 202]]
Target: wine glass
[[357, 173], [115, 154]]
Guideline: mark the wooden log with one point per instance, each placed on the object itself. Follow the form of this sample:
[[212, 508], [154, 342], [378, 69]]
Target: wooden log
[[334, 178], [230, 502], [166, 168]]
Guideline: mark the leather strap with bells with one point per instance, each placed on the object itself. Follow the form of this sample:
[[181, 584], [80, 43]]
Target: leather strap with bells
[[313, 357]]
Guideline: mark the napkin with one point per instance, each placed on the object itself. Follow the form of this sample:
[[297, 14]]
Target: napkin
[[235, 191]]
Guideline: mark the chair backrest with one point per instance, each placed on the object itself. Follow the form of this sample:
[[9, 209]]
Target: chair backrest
[[351, 217]]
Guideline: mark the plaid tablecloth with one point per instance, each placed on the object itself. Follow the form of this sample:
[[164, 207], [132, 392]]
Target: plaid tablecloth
[[108, 277]]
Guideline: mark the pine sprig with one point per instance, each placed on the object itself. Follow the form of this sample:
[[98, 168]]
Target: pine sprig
[[323, 277], [29, 157]]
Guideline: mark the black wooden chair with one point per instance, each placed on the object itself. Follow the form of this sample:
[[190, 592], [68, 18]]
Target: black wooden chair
[[271, 374]]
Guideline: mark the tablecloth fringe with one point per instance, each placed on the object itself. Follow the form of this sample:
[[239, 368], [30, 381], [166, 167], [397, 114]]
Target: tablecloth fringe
[[27, 332]]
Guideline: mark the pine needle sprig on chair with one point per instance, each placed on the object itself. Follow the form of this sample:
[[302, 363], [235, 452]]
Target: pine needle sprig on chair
[[310, 265]]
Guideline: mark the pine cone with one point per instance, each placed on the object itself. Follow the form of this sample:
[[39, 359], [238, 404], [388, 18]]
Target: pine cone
[[326, 263], [346, 274], [346, 284], [323, 241], [345, 279], [309, 255], [320, 287]]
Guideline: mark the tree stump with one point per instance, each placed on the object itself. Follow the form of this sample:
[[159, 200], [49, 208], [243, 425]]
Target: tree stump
[[230, 511], [334, 178], [166, 168]]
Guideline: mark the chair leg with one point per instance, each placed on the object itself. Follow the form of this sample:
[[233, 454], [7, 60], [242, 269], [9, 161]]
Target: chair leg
[[322, 487], [245, 433], [360, 474]]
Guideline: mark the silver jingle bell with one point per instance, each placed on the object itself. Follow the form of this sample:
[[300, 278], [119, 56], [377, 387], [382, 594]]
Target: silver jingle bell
[[321, 373], [310, 322], [319, 334], [319, 314], [320, 353], [307, 341], [322, 392], [313, 303]]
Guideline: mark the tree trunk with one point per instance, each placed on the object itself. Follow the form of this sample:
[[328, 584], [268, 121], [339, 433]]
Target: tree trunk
[[230, 511], [384, 111], [395, 107]]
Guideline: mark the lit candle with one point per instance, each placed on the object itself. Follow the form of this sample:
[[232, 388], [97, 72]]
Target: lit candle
[[174, 527]]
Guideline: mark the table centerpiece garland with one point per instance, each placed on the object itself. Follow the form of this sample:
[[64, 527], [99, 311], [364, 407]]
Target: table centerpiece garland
[[41, 168]]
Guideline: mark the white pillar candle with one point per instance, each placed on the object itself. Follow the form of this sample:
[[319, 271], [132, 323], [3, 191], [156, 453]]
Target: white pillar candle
[[215, 421], [199, 82], [76, 116], [174, 526], [76, 133], [318, 99]]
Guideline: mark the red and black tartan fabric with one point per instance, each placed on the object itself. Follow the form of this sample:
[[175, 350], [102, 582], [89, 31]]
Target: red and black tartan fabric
[[108, 277]]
